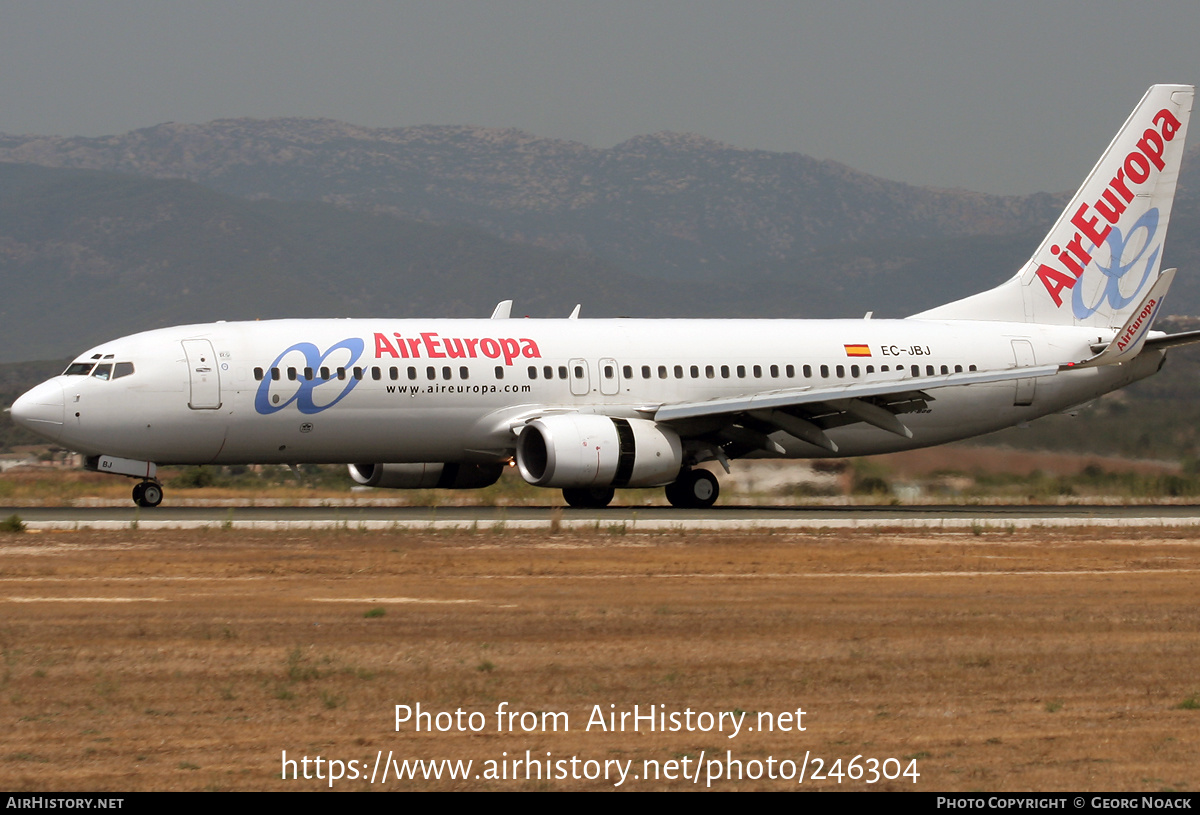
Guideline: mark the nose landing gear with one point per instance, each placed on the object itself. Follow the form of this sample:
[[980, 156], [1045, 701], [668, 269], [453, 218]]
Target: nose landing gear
[[147, 494]]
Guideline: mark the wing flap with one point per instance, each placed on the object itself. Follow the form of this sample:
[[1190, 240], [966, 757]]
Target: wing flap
[[902, 389]]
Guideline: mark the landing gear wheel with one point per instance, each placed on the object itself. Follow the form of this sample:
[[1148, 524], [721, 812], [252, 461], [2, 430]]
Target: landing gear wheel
[[587, 497], [694, 489], [147, 494]]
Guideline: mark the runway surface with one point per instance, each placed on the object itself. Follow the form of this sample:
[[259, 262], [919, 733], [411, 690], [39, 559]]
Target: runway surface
[[626, 519]]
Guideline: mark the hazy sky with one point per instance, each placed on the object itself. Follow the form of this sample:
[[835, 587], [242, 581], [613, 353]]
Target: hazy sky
[[1010, 97]]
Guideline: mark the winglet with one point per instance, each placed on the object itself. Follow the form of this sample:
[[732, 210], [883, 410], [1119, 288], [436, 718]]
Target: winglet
[[502, 310], [1132, 337]]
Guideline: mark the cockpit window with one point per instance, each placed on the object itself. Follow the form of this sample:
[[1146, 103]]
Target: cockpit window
[[79, 369], [122, 369], [103, 371]]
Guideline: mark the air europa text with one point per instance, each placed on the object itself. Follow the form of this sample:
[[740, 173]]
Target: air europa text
[[399, 347], [1111, 205]]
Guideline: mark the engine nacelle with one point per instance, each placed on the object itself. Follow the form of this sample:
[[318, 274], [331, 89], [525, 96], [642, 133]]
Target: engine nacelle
[[586, 450], [430, 476]]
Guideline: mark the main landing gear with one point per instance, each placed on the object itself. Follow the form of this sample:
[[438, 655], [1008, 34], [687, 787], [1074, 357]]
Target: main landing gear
[[694, 489], [588, 497], [147, 494]]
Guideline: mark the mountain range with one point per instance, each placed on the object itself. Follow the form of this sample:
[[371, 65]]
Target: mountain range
[[240, 219]]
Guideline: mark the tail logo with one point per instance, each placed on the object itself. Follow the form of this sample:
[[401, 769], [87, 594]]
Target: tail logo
[[1119, 267], [1136, 170]]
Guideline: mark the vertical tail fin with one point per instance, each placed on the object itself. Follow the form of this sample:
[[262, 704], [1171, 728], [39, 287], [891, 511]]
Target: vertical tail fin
[[1104, 251]]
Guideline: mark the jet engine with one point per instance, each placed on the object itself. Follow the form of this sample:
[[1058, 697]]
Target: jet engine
[[586, 450], [426, 476]]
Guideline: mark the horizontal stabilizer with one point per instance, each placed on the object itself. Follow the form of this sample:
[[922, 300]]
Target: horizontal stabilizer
[[1133, 335], [1172, 341]]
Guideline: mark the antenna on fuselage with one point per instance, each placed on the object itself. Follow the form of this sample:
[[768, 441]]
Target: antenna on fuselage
[[503, 310], [575, 312]]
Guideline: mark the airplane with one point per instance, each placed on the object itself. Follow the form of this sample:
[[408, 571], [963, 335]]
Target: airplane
[[589, 406]]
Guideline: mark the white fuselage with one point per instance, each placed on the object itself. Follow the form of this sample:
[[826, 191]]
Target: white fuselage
[[455, 390]]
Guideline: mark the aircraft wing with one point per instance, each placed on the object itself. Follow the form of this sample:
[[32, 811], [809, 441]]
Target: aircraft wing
[[807, 412]]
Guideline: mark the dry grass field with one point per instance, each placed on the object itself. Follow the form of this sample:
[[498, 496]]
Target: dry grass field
[[191, 660]]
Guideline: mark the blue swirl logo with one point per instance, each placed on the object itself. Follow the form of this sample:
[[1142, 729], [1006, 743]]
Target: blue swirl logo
[[342, 355], [1119, 267]]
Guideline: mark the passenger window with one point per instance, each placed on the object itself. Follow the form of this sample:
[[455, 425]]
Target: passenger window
[[376, 374], [292, 374], [609, 372], [258, 374], [275, 374], [929, 370], [709, 372], [695, 371], [679, 372], [548, 372], [446, 373], [958, 369], [562, 371], [945, 370], [741, 371], [841, 371], [499, 371], [870, 369], [645, 372], [790, 371], [627, 371], [324, 373], [724, 371], [662, 371], [533, 372], [758, 372], [854, 371], [808, 372], [916, 370], [341, 373], [103, 371], [884, 369], [774, 371], [972, 368], [579, 372], [824, 371], [464, 373], [308, 374], [412, 372], [430, 373]]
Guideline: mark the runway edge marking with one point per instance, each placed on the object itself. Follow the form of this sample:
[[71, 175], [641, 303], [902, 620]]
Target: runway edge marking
[[635, 525]]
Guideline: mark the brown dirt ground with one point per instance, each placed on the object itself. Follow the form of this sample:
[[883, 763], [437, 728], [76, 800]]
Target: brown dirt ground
[[189, 660]]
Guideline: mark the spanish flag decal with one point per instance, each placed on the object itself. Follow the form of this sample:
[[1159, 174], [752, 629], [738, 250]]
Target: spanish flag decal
[[858, 350]]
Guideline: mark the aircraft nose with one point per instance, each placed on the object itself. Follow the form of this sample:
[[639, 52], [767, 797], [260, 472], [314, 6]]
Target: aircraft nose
[[41, 410]]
